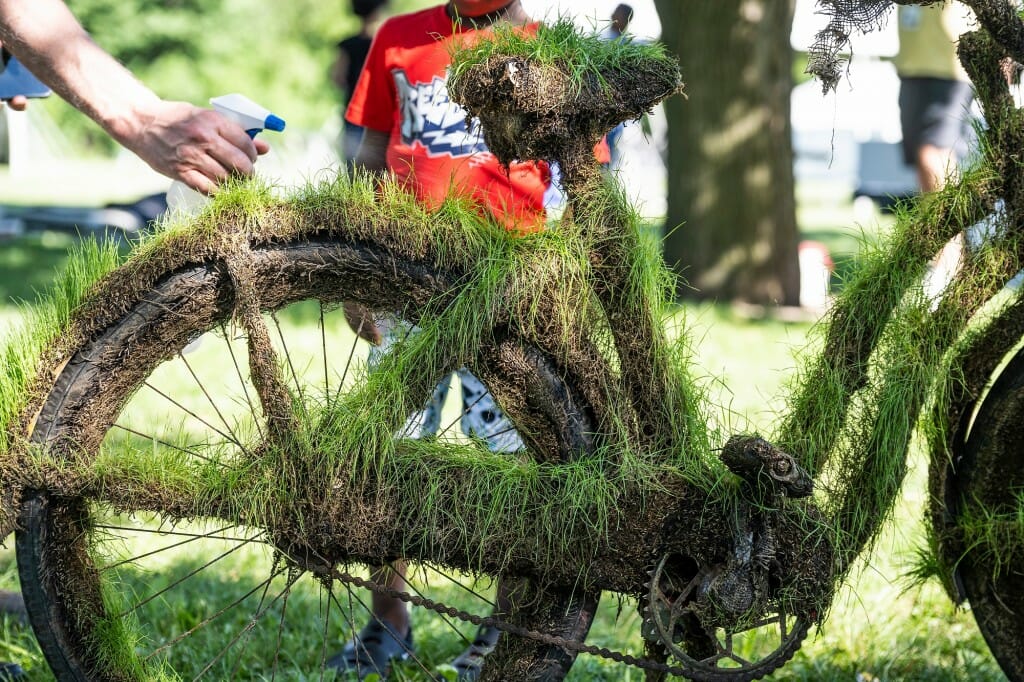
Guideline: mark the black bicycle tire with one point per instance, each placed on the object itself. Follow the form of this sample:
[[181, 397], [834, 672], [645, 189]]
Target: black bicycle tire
[[989, 467], [55, 608]]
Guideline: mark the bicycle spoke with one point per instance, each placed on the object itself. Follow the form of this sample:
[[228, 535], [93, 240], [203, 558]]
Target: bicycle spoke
[[348, 361], [155, 531], [260, 612], [186, 451], [210, 400], [238, 659], [207, 621], [280, 635], [323, 350], [194, 415], [243, 383], [447, 621], [187, 576], [496, 434], [291, 366], [164, 549], [465, 411], [349, 614], [327, 623], [459, 583], [406, 648]]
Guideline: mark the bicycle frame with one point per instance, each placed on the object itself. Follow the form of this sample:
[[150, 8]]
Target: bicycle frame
[[644, 498]]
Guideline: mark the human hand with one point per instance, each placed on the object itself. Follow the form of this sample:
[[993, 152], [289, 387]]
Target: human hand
[[197, 146], [362, 322], [18, 102]]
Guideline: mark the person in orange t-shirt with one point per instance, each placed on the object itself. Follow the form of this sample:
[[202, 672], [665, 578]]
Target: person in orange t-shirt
[[413, 130], [402, 96]]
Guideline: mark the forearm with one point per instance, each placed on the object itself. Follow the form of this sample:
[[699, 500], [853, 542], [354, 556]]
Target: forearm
[[49, 40], [197, 146]]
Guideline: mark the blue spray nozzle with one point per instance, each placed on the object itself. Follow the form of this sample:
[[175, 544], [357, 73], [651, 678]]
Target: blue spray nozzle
[[251, 116], [274, 123]]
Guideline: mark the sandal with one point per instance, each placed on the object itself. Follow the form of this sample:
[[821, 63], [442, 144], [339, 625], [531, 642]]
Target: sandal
[[471, 661], [372, 650]]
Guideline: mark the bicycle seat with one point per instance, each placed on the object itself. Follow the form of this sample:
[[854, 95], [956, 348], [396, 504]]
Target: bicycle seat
[[533, 109]]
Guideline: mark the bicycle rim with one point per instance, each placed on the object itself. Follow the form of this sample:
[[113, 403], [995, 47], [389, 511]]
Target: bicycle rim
[[989, 474]]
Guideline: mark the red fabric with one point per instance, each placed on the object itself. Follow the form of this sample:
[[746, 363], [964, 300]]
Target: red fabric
[[402, 91]]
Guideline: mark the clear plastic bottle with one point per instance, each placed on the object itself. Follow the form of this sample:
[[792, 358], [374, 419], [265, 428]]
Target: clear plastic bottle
[[183, 199]]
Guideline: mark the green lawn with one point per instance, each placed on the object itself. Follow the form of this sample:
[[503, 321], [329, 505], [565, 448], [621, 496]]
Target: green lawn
[[879, 628]]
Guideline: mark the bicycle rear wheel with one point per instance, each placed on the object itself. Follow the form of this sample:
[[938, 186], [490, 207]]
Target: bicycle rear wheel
[[989, 482], [126, 583]]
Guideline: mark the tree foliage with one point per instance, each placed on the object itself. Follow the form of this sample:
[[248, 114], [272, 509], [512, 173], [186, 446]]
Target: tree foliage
[[277, 53]]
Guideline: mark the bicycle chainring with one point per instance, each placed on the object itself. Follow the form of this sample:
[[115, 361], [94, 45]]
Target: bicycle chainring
[[697, 620]]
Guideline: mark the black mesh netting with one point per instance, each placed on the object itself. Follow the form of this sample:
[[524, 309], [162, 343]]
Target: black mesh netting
[[846, 17]]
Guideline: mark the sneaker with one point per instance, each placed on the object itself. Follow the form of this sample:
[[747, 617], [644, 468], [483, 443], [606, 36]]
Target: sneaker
[[371, 651], [471, 661]]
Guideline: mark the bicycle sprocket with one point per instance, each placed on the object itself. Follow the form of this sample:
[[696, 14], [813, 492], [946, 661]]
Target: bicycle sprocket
[[679, 617]]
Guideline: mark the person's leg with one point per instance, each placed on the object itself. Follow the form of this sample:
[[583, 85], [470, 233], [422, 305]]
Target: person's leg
[[934, 116], [388, 609], [934, 166], [351, 138], [421, 424], [388, 634], [12, 604], [484, 420], [613, 138]]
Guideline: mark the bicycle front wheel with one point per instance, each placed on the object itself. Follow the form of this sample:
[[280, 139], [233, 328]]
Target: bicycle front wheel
[[149, 571]]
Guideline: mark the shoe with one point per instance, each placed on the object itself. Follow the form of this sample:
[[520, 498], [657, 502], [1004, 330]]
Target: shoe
[[471, 661], [372, 650], [10, 671]]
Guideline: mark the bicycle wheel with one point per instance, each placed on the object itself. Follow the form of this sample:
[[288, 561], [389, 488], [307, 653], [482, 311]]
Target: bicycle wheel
[[989, 480], [128, 583]]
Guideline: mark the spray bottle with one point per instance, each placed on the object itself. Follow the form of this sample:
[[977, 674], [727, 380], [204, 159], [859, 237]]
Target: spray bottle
[[246, 113]]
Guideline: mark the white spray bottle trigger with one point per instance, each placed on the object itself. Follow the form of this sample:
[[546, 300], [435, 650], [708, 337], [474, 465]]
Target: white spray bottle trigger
[[246, 113]]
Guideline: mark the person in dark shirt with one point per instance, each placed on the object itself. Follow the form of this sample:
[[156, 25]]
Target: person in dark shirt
[[348, 64]]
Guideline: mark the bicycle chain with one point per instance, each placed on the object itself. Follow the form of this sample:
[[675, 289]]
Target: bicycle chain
[[513, 629]]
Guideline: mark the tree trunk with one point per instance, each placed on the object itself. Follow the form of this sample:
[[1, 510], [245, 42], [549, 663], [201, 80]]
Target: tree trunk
[[731, 221]]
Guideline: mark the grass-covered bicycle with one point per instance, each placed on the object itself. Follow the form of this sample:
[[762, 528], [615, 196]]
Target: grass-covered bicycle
[[167, 416]]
